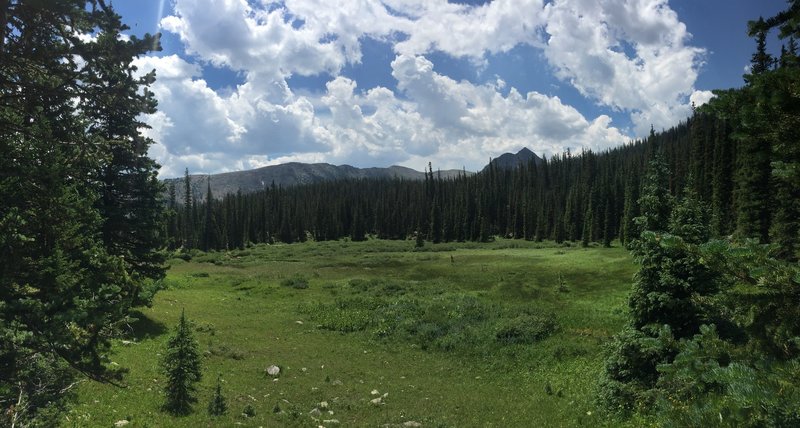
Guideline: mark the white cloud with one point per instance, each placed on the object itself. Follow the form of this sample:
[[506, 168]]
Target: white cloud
[[699, 98], [630, 55], [466, 31], [233, 34]]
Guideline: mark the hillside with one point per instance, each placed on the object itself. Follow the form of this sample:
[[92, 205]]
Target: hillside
[[292, 174]]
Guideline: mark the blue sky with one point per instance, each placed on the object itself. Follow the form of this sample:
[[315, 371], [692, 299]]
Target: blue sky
[[243, 84]]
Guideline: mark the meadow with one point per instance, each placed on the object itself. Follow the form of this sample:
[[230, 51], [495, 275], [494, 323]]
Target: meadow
[[378, 333]]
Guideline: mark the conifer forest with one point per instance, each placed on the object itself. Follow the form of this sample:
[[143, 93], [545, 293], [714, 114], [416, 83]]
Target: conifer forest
[[650, 284]]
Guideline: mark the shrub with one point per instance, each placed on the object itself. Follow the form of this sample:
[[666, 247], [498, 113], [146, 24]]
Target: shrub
[[528, 328], [298, 283], [248, 411]]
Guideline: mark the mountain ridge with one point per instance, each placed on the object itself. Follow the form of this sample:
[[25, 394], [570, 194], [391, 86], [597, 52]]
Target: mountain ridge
[[292, 174], [514, 160], [297, 173]]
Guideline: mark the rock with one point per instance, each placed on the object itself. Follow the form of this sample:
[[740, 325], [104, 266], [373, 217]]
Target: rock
[[273, 370], [336, 382], [412, 424], [385, 394], [121, 423], [330, 422], [299, 322], [323, 405], [377, 401], [374, 392], [315, 412]]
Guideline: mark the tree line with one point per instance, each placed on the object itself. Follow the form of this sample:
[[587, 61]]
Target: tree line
[[713, 332], [587, 197]]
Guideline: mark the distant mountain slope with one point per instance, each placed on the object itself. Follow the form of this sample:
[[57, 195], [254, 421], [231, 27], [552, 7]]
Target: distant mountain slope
[[291, 174], [511, 161]]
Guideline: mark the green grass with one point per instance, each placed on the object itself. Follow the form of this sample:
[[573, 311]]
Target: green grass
[[455, 334]]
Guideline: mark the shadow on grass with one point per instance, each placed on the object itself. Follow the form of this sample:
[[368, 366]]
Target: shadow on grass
[[144, 327]]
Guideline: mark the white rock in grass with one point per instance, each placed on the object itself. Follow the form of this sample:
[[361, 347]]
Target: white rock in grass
[[273, 370], [323, 405], [412, 424], [331, 422], [121, 423], [374, 392], [377, 401], [315, 412]]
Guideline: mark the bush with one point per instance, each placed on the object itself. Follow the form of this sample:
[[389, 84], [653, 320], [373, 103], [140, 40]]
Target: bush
[[631, 368], [298, 283], [249, 411], [525, 329]]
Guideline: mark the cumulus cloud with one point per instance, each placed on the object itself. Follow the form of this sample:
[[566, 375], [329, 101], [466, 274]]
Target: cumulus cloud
[[630, 56], [699, 98], [468, 31]]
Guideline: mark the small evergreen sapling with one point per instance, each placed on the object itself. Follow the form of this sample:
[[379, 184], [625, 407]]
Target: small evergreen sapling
[[217, 406], [181, 364]]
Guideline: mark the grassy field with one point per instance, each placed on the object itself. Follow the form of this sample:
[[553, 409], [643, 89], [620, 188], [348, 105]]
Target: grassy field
[[377, 334]]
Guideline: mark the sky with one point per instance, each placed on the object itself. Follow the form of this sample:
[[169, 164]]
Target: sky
[[243, 84]]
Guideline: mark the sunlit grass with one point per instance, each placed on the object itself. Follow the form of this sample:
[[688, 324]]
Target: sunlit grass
[[248, 314]]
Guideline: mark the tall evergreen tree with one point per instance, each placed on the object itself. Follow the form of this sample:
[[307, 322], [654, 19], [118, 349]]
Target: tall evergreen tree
[[208, 235], [188, 214], [72, 180]]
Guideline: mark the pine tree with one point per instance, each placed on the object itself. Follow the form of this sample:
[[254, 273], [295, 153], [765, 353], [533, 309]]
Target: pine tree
[[172, 227], [436, 226], [208, 239], [188, 215], [655, 202], [358, 233], [484, 230], [761, 61], [217, 406], [67, 175], [630, 210], [181, 364], [586, 236]]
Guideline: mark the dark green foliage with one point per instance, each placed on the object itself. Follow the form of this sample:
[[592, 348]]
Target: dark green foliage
[[80, 218], [655, 202], [249, 411], [590, 197], [449, 322], [181, 365], [666, 302], [217, 406], [690, 218], [208, 235], [631, 368], [525, 329], [188, 225]]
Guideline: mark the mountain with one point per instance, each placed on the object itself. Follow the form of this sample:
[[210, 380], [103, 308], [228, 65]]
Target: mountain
[[292, 174], [511, 161]]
